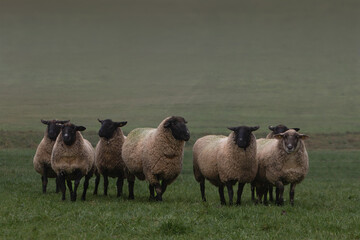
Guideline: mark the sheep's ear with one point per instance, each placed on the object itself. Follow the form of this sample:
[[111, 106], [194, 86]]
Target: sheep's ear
[[167, 124], [100, 121], [80, 128], [296, 129], [272, 128], [232, 128], [45, 122], [254, 128], [63, 122], [278, 136], [120, 124], [303, 136]]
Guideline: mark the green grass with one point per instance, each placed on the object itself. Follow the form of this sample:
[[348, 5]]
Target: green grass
[[326, 207], [216, 63]]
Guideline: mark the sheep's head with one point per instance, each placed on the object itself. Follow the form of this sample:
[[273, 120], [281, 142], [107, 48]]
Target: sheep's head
[[68, 132], [53, 128], [243, 135], [281, 129], [178, 128], [290, 139], [108, 128]]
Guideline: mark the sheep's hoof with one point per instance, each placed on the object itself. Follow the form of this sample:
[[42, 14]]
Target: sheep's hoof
[[73, 197], [238, 203], [131, 197]]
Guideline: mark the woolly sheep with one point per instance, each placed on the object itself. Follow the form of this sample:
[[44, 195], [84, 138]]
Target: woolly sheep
[[156, 154], [274, 130], [226, 160], [42, 163], [108, 160], [72, 158], [282, 160]]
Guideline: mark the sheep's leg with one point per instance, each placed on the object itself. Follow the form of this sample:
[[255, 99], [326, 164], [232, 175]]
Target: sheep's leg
[[57, 185], [221, 193], [44, 180], [292, 193], [163, 186], [69, 185], [253, 191], [259, 193], [152, 193], [279, 193], [229, 187], [240, 190], [97, 181], [265, 193], [159, 193], [62, 185], [202, 189], [271, 197], [131, 188], [86, 185], [106, 184], [119, 185], [76, 185]]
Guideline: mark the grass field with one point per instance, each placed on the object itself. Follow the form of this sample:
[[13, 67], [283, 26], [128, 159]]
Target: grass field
[[326, 207], [216, 63]]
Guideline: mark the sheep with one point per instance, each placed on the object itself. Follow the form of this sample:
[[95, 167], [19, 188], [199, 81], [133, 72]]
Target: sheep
[[274, 130], [72, 158], [41, 161], [108, 160], [282, 160], [226, 160], [156, 154]]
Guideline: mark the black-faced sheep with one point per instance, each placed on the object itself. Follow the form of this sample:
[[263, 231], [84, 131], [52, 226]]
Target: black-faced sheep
[[42, 162], [108, 160], [156, 154], [224, 161], [282, 160], [72, 158], [274, 130]]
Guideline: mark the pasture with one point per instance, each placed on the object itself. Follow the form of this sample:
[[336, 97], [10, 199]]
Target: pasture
[[217, 64]]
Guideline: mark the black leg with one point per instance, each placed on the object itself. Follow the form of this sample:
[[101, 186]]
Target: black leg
[[44, 180], [279, 193], [202, 189], [163, 186], [86, 185], [62, 185], [152, 193], [119, 185], [69, 185], [230, 192], [271, 197], [106, 184], [221, 193], [158, 190], [57, 185], [131, 189], [240, 190], [292, 193], [265, 192], [253, 192], [97, 181], [76, 184]]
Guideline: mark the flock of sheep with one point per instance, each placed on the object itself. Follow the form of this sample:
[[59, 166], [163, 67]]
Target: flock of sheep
[[156, 155]]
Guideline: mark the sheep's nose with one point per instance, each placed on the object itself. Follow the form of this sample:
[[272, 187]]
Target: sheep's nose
[[289, 146], [66, 135]]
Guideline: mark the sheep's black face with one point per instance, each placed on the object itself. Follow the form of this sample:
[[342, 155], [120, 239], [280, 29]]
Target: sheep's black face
[[243, 135], [108, 128], [290, 139], [281, 129], [54, 128], [178, 128], [68, 133]]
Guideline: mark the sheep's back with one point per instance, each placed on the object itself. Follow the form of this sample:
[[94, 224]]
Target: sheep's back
[[206, 151], [43, 155], [134, 148]]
